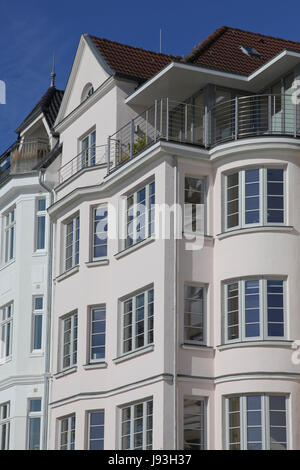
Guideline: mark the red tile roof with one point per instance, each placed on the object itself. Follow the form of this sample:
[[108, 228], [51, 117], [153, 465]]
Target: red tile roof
[[132, 61], [219, 51]]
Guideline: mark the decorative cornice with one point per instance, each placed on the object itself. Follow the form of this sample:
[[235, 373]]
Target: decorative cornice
[[116, 391]]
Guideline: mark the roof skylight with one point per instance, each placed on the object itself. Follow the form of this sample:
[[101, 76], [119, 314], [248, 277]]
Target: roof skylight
[[250, 51]]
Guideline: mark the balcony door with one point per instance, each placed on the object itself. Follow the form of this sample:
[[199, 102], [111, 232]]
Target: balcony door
[[88, 150]]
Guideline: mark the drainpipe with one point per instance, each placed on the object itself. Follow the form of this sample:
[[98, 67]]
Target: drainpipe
[[49, 301], [175, 301]]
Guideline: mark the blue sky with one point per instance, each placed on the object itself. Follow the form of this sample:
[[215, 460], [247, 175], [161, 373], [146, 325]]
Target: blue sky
[[32, 30]]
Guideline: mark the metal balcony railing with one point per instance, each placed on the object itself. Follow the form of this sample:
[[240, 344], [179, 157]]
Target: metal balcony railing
[[248, 116], [166, 119], [90, 157]]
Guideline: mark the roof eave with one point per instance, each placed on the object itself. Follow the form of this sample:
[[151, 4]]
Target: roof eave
[[161, 84]]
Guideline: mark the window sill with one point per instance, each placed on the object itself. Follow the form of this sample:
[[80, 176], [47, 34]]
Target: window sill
[[36, 354], [197, 347], [9, 263], [198, 234], [259, 343], [258, 228], [131, 355], [95, 365], [132, 248], [39, 253], [62, 373], [67, 274], [98, 262]]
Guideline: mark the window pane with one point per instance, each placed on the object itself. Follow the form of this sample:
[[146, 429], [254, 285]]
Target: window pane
[[194, 424], [233, 200], [98, 333], [41, 204], [38, 303], [41, 225], [37, 334], [278, 431], [275, 199], [34, 433], [35, 405], [194, 313], [275, 308], [96, 431], [232, 311]]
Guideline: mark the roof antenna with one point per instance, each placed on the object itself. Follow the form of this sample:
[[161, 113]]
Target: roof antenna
[[160, 40], [53, 74]]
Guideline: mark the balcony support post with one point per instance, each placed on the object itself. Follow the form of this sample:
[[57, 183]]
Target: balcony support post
[[193, 110], [108, 155], [131, 137], [185, 122], [295, 119], [270, 113], [146, 129], [167, 119], [236, 120], [161, 118], [205, 127], [155, 120]]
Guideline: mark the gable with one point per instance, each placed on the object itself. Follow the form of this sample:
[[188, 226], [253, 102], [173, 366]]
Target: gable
[[87, 68]]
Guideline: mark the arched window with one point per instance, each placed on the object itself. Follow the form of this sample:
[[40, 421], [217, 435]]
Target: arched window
[[88, 90]]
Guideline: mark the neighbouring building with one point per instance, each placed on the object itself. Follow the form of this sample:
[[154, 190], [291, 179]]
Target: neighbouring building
[[24, 280], [159, 342]]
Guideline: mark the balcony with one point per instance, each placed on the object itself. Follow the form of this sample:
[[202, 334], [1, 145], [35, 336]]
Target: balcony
[[242, 117], [90, 157], [26, 154]]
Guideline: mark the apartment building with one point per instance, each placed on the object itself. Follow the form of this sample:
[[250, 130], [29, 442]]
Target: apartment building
[[179, 340], [24, 280], [156, 345]]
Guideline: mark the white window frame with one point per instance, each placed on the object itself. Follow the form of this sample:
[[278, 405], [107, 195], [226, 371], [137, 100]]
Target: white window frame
[[203, 424], [87, 91], [263, 197], [132, 406], [134, 336], [9, 235], [73, 340], [89, 413], [88, 154], [33, 415], [204, 319], [263, 310], [36, 313], [5, 424], [69, 431], [38, 215], [94, 209], [265, 414], [188, 228], [5, 323], [76, 239], [148, 205], [91, 309]]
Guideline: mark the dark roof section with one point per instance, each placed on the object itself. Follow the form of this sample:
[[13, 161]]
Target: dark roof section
[[221, 50], [49, 104], [132, 62]]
